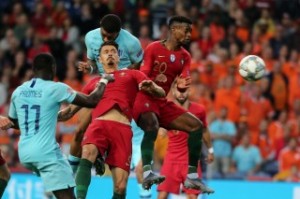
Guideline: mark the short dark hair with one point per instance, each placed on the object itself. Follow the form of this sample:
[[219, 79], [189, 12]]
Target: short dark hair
[[179, 19], [43, 62], [109, 43], [111, 23]]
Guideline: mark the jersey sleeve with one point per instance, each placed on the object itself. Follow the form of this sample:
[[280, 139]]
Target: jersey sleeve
[[64, 93], [12, 113], [139, 76], [136, 52], [186, 65], [89, 52], [147, 64]]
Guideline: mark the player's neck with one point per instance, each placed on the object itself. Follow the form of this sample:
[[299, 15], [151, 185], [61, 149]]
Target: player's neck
[[110, 70], [170, 44], [46, 77], [185, 104]]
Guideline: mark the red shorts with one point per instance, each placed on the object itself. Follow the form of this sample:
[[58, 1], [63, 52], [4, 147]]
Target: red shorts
[[2, 161], [111, 137], [166, 110], [175, 174]]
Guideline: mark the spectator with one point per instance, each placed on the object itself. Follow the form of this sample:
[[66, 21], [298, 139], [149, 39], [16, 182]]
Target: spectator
[[222, 134], [246, 158]]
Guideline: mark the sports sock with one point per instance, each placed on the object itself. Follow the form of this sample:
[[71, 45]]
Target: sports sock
[[192, 172], [83, 178], [118, 196], [74, 162], [147, 147], [3, 184], [143, 192], [194, 145], [147, 170]]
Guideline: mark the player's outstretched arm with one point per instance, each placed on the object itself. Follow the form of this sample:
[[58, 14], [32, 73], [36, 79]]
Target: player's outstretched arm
[[6, 123], [68, 112], [152, 88], [91, 101], [87, 67]]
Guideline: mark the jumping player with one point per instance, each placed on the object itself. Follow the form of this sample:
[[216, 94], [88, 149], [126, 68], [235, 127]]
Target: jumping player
[[164, 61]]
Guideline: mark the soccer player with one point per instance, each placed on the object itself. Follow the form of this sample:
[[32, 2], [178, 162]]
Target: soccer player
[[163, 62], [110, 129], [175, 165], [4, 170], [131, 55], [33, 109]]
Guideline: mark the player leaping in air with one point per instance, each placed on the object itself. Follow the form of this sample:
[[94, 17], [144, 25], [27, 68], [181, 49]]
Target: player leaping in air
[[164, 61]]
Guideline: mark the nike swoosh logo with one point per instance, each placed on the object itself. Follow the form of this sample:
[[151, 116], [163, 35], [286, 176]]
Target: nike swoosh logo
[[161, 56]]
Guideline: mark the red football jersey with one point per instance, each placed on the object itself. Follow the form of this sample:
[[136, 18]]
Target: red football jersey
[[162, 65], [177, 150], [118, 94]]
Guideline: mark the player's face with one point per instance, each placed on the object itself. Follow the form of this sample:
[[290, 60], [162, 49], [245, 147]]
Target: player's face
[[108, 36], [180, 97], [182, 33], [109, 56]]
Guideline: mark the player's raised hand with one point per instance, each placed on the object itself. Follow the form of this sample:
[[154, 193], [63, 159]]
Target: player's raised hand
[[64, 114], [84, 67], [183, 83], [5, 123], [109, 77], [146, 85]]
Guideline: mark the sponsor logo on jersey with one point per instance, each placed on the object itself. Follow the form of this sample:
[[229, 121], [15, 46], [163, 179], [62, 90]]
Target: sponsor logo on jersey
[[172, 57]]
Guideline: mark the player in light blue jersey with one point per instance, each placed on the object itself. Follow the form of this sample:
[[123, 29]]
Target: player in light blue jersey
[[130, 49], [33, 109]]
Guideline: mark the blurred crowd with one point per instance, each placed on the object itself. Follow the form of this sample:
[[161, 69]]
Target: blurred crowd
[[255, 126]]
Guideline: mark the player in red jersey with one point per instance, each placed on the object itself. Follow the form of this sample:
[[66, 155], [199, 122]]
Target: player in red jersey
[[110, 129], [164, 61], [175, 165]]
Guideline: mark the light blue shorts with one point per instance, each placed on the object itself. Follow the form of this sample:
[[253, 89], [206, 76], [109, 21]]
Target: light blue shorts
[[136, 156], [55, 174]]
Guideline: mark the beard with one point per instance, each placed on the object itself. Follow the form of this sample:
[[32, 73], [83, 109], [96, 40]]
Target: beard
[[181, 100]]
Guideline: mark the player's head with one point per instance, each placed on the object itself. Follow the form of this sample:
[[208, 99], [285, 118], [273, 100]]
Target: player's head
[[180, 97], [110, 27], [44, 66], [180, 28], [109, 56]]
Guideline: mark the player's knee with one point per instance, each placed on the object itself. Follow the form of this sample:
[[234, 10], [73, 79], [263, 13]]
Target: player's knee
[[89, 152], [120, 187], [149, 122]]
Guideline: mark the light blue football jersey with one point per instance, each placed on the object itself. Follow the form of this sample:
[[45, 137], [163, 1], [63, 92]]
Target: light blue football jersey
[[36, 104], [130, 49]]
